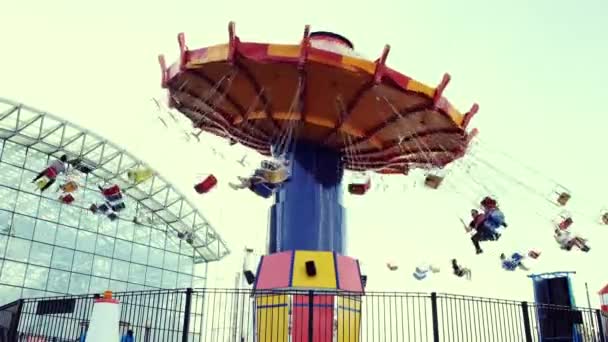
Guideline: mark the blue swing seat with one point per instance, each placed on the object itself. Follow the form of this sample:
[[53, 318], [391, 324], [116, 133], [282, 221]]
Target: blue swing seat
[[262, 189]]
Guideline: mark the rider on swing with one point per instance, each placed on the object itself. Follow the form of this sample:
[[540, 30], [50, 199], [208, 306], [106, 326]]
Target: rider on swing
[[270, 174], [488, 226], [51, 172]]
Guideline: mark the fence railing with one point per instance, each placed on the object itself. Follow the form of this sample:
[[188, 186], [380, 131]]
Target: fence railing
[[219, 315]]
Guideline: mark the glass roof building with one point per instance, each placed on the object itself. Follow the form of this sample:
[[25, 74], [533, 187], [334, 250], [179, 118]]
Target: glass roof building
[[49, 248]]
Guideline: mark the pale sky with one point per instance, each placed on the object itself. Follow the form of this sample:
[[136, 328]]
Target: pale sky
[[537, 69]]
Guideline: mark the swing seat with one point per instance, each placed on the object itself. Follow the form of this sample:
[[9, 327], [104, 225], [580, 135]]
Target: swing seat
[[206, 185], [79, 165], [419, 276], [113, 190], [262, 190], [118, 207], [69, 187], [565, 223], [66, 199], [139, 175], [42, 182], [605, 218], [392, 266], [433, 181], [275, 176], [563, 198], [359, 188]]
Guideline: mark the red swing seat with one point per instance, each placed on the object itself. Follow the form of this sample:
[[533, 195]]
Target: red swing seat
[[359, 188], [66, 199], [206, 185], [111, 191], [565, 223]]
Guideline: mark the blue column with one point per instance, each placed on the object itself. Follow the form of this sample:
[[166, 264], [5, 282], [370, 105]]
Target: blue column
[[308, 212]]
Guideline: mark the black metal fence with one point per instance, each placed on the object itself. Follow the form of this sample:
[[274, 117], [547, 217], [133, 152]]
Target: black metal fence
[[217, 315]]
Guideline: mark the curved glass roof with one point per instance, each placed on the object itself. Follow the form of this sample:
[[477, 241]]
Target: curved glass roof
[[51, 135]]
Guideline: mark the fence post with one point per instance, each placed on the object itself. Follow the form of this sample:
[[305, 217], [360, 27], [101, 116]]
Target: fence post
[[598, 314], [311, 301], [435, 316], [13, 333], [527, 329], [187, 309]]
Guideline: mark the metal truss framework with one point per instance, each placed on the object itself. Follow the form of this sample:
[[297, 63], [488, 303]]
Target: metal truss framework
[[53, 136]]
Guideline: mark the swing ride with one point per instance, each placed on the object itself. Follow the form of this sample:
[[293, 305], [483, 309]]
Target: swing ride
[[324, 108]]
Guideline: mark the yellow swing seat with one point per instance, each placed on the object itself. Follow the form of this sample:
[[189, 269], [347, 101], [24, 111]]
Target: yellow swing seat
[[42, 182], [139, 175], [276, 176], [563, 198], [69, 187]]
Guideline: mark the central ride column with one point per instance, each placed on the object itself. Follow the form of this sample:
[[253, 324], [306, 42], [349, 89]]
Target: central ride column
[[308, 213]]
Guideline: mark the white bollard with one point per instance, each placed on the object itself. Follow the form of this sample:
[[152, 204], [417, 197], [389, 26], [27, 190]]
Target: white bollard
[[104, 320]]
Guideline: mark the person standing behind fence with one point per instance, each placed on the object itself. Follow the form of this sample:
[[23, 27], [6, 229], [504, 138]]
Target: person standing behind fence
[[128, 337]]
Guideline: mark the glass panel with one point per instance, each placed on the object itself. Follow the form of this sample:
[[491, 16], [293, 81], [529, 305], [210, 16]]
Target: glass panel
[[122, 249], [169, 279], [41, 254], [102, 266], [172, 242], [137, 274], [49, 209], [153, 276], [70, 215], [3, 242], [58, 281], [120, 270], [89, 221], [83, 262], [105, 246], [29, 293], [18, 249], [185, 264], [9, 196], [9, 175], [107, 226], [23, 226], [6, 218], [135, 287], [140, 254], [13, 154], [157, 238], [184, 281], [118, 286], [156, 257], [36, 277], [86, 241], [198, 282], [25, 184], [13, 273], [36, 160], [98, 285], [171, 261], [27, 204], [125, 230], [62, 258], [79, 284], [142, 234], [9, 293], [66, 236], [45, 231]]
